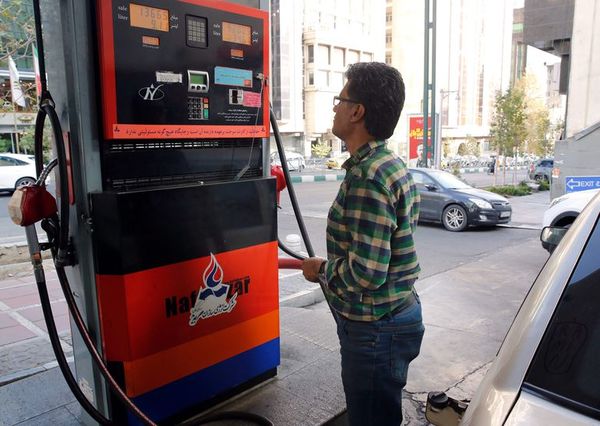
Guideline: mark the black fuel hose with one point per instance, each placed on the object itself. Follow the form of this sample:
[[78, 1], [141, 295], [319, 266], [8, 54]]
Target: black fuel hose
[[63, 364], [292, 192]]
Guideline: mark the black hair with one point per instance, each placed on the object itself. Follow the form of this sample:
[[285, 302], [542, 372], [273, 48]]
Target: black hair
[[380, 89]]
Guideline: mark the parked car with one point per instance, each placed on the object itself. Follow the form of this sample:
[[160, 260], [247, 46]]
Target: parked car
[[564, 210], [336, 161], [294, 160], [447, 199], [541, 170], [16, 170], [546, 371]]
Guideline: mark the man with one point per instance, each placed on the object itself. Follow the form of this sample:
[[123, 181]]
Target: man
[[371, 264]]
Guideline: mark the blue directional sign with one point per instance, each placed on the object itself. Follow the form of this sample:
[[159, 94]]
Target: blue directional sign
[[581, 183]]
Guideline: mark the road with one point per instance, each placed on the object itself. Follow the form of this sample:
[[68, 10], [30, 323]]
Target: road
[[439, 250], [12, 234]]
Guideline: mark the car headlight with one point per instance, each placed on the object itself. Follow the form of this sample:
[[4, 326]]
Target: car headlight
[[482, 204]]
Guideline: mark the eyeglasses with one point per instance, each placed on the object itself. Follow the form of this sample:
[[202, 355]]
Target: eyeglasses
[[338, 99]]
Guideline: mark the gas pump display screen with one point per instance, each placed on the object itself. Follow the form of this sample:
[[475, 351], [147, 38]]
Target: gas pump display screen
[[235, 33], [174, 69], [149, 17]]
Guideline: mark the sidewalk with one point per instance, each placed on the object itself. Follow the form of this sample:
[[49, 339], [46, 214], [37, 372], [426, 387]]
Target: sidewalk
[[467, 311]]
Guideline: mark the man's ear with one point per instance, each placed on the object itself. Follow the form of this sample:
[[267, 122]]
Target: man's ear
[[358, 113]]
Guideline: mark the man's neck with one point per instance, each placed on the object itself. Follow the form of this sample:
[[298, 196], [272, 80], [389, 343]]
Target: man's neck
[[356, 140]]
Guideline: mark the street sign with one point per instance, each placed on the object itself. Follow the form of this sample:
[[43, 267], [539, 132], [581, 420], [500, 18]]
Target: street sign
[[581, 183]]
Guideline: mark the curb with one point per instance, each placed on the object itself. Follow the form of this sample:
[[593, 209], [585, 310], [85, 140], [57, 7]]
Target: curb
[[318, 178], [303, 298], [331, 177]]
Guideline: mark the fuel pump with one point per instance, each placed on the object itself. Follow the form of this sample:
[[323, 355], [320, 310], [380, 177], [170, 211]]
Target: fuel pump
[[171, 251]]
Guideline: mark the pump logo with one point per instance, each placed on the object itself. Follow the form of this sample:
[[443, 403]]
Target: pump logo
[[151, 93], [212, 296]]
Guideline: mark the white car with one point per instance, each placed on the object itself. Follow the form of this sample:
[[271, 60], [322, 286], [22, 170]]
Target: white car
[[546, 371], [564, 210], [16, 170], [294, 160]]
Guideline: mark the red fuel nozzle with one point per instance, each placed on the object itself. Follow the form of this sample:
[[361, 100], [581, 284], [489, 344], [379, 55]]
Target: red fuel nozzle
[[277, 171], [30, 204]]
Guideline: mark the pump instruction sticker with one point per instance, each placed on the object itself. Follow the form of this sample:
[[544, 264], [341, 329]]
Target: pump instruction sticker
[[233, 77]]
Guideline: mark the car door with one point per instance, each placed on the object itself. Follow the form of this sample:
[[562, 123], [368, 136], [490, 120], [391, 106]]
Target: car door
[[429, 198], [561, 385], [10, 170]]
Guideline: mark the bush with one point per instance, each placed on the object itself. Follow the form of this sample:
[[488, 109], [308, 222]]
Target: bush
[[511, 190], [544, 186]]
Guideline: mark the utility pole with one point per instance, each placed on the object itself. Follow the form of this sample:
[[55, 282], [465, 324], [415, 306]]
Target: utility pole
[[429, 80]]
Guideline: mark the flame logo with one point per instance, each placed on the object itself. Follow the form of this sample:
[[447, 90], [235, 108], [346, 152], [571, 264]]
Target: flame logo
[[212, 297], [213, 279]]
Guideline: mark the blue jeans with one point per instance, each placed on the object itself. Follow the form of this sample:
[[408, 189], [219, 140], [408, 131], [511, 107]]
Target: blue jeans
[[375, 358]]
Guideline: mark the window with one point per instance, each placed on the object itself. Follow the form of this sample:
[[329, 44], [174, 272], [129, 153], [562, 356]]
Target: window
[[421, 179], [324, 55], [388, 58], [337, 81], [388, 16], [367, 57], [310, 53], [7, 161], [322, 78], [339, 57], [353, 56], [311, 79], [566, 364], [388, 37]]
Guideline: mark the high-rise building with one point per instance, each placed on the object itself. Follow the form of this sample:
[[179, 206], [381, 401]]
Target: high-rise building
[[473, 61], [313, 42]]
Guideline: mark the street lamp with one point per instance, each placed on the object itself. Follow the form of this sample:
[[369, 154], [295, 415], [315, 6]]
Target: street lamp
[[438, 142]]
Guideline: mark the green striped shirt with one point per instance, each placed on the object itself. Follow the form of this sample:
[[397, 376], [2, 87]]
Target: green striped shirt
[[371, 257]]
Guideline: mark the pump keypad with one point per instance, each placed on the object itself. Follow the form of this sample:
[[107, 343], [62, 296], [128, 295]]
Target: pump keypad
[[198, 108]]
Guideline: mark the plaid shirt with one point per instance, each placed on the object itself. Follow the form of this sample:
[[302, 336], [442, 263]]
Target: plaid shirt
[[371, 257]]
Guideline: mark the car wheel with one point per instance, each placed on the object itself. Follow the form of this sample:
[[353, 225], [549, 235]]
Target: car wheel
[[24, 182], [454, 218]]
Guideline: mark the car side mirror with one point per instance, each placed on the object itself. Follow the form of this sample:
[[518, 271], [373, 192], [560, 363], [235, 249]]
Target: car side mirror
[[551, 236], [431, 187]]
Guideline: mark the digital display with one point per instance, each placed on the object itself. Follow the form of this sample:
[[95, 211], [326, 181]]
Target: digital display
[[149, 17], [197, 78], [236, 33], [151, 41]]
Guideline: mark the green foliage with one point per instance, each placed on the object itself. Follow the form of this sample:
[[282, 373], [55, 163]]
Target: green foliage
[[320, 149], [17, 36], [508, 129], [544, 186], [472, 146], [511, 190], [456, 170]]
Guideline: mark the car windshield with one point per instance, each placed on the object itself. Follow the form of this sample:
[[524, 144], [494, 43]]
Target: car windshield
[[448, 180]]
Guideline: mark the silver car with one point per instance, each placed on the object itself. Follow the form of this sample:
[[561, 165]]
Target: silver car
[[547, 371]]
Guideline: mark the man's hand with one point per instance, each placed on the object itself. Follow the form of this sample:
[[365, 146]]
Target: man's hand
[[310, 268]]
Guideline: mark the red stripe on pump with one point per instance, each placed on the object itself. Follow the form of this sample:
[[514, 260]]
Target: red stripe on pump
[[146, 312]]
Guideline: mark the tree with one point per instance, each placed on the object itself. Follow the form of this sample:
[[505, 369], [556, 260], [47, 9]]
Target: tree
[[320, 149], [17, 36], [472, 146], [508, 129]]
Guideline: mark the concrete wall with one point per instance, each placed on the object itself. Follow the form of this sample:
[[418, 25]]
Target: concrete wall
[[576, 156], [583, 109]]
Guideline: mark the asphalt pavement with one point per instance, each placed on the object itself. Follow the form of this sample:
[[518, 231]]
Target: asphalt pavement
[[467, 308]]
